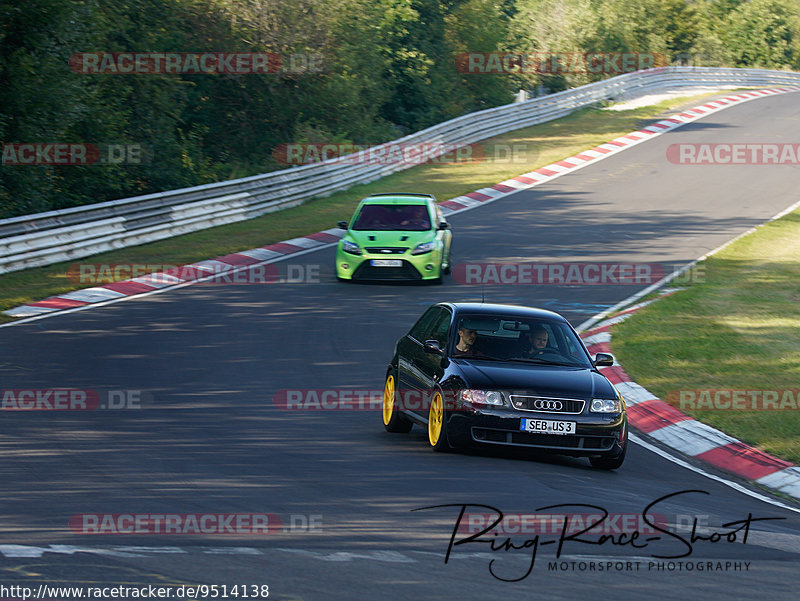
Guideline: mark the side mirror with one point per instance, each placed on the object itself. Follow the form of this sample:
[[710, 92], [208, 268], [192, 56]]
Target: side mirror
[[443, 225], [341, 225], [432, 347], [603, 360]]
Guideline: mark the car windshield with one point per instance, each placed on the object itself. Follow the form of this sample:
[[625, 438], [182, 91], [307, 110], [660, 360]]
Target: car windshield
[[412, 218], [502, 338]]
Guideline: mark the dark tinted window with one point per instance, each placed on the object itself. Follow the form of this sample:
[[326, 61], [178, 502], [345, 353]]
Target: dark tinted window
[[441, 325], [410, 218], [421, 328]]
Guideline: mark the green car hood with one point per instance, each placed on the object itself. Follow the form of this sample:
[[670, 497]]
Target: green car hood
[[371, 238]]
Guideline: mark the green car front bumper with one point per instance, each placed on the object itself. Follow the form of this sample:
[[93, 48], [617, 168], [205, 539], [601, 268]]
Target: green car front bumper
[[403, 266]]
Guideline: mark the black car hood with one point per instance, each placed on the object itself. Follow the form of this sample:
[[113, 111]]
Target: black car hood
[[545, 380]]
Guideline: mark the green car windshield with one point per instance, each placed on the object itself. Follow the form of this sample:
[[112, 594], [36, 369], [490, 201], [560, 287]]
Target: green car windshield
[[409, 218]]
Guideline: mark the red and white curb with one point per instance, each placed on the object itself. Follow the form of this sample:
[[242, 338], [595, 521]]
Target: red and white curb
[[189, 274], [151, 283], [676, 430]]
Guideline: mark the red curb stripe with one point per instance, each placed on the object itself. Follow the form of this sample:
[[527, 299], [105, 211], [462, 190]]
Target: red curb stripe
[[615, 374], [502, 188], [546, 172], [237, 259], [676, 120], [565, 164], [323, 237], [661, 125], [57, 302], [477, 196], [585, 157], [186, 273], [599, 347], [744, 460], [601, 149], [646, 132], [128, 287], [594, 331], [452, 204], [654, 414], [283, 248], [632, 136], [525, 180], [615, 143]]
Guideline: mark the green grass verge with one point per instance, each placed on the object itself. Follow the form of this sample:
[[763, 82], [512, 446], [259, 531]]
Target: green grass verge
[[737, 329], [539, 145]]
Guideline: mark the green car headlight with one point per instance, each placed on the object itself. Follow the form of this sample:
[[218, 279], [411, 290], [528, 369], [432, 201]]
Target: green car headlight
[[351, 247], [606, 406], [424, 247]]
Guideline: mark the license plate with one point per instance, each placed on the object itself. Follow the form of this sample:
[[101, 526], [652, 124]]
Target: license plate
[[546, 426], [386, 262]]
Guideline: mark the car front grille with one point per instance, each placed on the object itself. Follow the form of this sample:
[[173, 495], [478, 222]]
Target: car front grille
[[386, 250], [546, 404], [551, 441], [406, 272]]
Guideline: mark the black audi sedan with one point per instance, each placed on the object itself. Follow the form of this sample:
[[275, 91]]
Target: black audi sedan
[[477, 374]]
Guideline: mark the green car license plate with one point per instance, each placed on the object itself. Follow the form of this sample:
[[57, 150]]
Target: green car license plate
[[386, 262]]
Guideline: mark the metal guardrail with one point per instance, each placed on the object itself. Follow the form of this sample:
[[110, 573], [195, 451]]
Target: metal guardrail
[[46, 238]]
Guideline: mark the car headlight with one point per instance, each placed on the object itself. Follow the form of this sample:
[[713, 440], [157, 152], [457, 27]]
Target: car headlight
[[606, 406], [482, 397], [421, 249], [351, 247]]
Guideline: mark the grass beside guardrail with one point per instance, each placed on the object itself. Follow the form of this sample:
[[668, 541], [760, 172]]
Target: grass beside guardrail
[[538, 145], [735, 331]]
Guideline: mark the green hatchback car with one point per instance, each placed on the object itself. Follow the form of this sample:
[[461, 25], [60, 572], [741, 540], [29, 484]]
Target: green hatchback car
[[395, 237]]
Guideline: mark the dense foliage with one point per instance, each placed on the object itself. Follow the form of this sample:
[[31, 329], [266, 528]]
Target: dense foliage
[[388, 67]]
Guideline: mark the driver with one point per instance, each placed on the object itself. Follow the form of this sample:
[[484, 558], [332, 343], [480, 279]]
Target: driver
[[466, 340], [537, 338], [417, 218]]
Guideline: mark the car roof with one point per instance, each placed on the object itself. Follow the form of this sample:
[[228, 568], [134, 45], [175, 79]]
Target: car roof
[[399, 198], [509, 310]]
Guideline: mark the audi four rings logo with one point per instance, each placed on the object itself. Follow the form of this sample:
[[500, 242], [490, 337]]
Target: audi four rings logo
[[551, 405]]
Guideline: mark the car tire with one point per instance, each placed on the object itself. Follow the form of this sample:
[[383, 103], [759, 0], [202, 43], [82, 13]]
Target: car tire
[[437, 424], [393, 420], [609, 463]]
